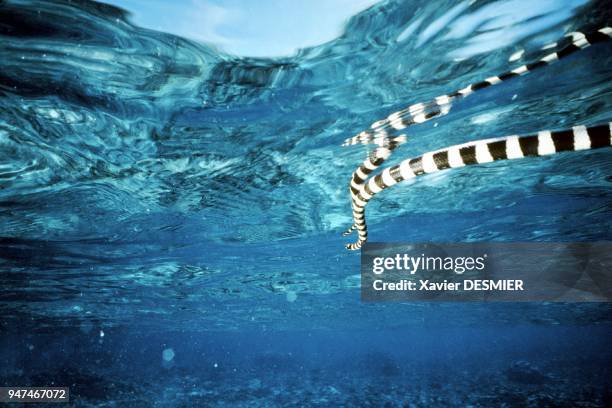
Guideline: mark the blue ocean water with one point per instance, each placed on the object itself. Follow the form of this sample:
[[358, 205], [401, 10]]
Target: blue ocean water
[[170, 215]]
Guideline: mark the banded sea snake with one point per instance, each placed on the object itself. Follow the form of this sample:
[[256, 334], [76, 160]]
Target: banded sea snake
[[364, 186]]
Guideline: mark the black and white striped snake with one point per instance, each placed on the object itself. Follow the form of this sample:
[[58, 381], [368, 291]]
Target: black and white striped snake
[[364, 186]]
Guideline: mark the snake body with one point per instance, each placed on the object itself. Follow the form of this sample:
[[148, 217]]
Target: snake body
[[476, 152], [363, 186]]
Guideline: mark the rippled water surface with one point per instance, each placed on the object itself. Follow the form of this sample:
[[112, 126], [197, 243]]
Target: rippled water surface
[[147, 179]]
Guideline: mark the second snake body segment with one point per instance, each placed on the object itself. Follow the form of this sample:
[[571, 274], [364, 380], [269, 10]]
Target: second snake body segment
[[477, 152], [363, 186]]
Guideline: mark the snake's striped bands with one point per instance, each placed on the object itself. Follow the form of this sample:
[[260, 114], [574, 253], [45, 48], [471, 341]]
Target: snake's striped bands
[[374, 160], [422, 112], [363, 186], [476, 152]]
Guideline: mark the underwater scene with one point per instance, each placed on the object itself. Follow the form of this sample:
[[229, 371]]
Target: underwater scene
[[171, 211]]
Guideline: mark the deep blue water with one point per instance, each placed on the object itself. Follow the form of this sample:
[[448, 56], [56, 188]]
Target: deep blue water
[[157, 194]]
